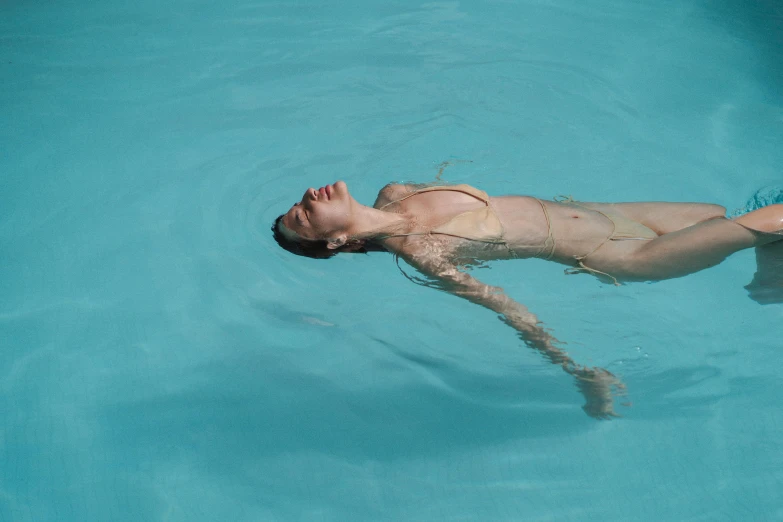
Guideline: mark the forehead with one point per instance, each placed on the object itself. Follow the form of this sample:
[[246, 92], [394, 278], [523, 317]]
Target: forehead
[[286, 223], [291, 229]]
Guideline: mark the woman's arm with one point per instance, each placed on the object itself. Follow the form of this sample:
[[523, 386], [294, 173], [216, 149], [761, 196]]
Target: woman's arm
[[594, 383]]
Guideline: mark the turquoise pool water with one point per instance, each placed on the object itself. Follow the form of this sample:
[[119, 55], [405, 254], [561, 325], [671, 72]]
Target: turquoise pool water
[[163, 360]]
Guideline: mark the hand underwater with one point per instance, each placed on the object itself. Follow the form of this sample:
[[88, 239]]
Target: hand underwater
[[596, 386]]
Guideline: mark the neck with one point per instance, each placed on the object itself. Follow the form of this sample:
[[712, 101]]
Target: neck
[[376, 223]]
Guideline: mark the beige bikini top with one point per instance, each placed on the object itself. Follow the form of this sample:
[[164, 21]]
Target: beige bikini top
[[481, 224]]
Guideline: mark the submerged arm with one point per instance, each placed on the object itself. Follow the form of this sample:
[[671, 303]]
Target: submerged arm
[[594, 383]]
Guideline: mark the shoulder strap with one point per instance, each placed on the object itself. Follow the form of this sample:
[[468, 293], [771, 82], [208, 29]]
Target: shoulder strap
[[465, 189]]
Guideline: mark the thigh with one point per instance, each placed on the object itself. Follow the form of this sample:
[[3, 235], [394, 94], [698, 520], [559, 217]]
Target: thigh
[[675, 254], [665, 218], [693, 248]]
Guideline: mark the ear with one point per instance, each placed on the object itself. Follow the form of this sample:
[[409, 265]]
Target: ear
[[337, 242]]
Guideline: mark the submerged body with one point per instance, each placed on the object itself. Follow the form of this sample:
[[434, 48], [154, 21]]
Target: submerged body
[[442, 229]]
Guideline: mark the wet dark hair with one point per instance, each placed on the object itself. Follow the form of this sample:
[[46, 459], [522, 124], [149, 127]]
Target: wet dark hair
[[316, 249]]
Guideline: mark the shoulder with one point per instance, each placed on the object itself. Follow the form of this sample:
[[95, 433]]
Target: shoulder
[[391, 193]]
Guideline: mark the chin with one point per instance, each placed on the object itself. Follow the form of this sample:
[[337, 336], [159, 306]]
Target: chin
[[341, 186]]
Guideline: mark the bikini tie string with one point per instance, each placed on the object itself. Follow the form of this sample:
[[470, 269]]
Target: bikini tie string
[[583, 268]]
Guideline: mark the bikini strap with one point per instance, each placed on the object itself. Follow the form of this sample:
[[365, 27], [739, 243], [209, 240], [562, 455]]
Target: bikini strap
[[465, 189], [580, 259], [583, 268], [487, 211], [550, 242]]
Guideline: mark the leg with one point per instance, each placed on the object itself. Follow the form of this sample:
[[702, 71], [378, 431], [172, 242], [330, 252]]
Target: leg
[[675, 254], [691, 249], [708, 243]]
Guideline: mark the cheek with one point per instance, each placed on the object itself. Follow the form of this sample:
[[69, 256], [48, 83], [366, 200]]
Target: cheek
[[331, 220]]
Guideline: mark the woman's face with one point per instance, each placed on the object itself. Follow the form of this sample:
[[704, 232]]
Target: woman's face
[[323, 213]]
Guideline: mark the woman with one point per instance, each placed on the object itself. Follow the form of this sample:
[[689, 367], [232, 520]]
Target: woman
[[439, 229]]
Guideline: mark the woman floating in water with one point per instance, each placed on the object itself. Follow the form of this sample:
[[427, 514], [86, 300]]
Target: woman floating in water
[[438, 229]]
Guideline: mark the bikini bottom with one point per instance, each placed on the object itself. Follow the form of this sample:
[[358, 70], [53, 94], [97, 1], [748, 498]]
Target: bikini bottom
[[623, 229]]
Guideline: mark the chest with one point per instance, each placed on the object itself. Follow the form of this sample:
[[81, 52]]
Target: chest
[[427, 208]]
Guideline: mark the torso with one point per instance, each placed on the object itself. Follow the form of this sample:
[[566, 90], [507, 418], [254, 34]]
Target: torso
[[525, 228]]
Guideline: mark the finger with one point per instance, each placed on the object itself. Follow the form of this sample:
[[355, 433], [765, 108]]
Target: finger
[[620, 389]]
